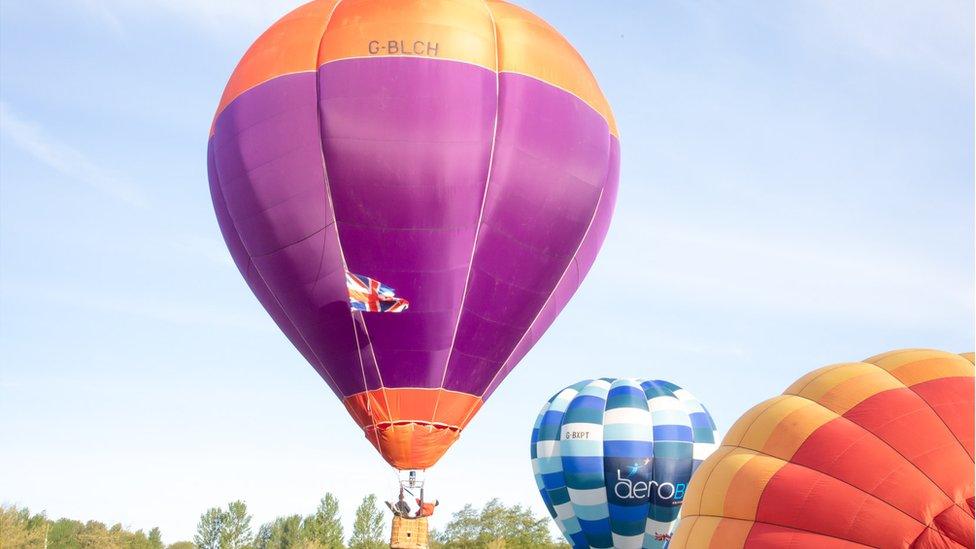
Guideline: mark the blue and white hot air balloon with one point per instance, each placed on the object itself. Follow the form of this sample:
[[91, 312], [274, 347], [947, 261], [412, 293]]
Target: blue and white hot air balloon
[[613, 458]]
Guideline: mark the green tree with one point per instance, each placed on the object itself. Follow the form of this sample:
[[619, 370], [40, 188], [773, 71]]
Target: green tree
[[209, 529], [155, 538], [367, 528], [283, 533], [496, 525], [464, 530], [96, 535], [19, 529], [325, 526], [235, 528], [134, 540], [181, 545], [64, 534]]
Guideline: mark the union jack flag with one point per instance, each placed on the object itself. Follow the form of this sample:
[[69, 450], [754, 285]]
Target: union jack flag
[[661, 537], [371, 296]]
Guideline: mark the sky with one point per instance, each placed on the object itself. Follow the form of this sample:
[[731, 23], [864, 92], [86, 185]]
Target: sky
[[796, 190]]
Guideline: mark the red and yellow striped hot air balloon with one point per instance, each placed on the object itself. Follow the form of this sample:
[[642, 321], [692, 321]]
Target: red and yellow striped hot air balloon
[[865, 454]]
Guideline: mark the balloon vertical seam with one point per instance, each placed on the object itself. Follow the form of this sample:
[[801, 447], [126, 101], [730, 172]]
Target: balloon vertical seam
[[481, 216], [331, 205], [572, 261], [250, 258]]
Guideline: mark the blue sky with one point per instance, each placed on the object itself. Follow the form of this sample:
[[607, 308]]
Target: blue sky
[[796, 190]]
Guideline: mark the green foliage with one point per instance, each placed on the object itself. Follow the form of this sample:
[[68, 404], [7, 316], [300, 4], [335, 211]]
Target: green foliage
[[236, 527], [495, 525], [367, 528], [325, 526], [155, 538], [283, 533], [209, 528], [21, 530], [64, 534], [224, 529]]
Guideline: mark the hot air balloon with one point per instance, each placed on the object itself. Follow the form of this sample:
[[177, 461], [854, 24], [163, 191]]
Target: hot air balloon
[[612, 459], [413, 190], [864, 454]]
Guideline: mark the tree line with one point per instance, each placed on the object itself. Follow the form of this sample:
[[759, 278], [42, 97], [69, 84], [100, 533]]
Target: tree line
[[494, 525]]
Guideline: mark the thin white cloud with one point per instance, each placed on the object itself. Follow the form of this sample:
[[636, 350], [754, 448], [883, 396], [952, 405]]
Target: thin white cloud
[[66, 160]]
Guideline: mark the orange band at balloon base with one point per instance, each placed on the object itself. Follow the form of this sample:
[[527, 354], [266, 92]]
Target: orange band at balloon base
[[411, 427]]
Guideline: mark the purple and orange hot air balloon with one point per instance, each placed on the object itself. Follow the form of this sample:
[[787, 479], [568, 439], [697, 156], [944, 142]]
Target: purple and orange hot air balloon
[[454, 160]]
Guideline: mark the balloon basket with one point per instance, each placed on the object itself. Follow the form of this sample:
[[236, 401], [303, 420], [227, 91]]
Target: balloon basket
[[409, 533]]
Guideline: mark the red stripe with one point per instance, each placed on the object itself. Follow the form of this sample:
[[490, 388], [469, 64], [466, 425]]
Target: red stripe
[[806, 500], [952, 400], [845, 451], [907, 423], [769, 536]]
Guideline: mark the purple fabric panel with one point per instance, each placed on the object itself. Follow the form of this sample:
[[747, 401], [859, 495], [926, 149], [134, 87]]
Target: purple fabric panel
[[389, 157], [251, 276], [406, 143], [366, 354], [551, 160], [270, 166], [268, 162], [574, 276]]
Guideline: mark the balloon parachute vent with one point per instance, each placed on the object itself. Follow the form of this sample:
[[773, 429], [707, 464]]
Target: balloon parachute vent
[[409, 533]]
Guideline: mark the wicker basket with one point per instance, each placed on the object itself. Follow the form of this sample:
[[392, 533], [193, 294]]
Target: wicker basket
[[409, 533]]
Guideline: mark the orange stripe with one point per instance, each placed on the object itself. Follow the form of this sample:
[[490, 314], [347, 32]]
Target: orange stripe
[[711, 532], [730, 533], [731, 484], [793, 426], [458, 30], [412, 405], [746, 487], [741, 427], [397, 421], [289, 46], [920, 365], [412, 445], [842, 386], [695, 497], [530, 46]]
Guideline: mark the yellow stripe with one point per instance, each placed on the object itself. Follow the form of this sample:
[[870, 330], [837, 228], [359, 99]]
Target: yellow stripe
[[693, 499], [916, 366], [739, 429], [750, 473], [732, 484], [842, 386], [788, 426]]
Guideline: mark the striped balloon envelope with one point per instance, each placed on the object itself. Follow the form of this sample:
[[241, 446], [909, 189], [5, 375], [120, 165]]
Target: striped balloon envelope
[[613, 458], [454, 158], [864, 454]]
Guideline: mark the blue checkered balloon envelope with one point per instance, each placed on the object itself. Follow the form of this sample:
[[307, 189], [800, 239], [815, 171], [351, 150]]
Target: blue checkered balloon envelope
[[613, 458]]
